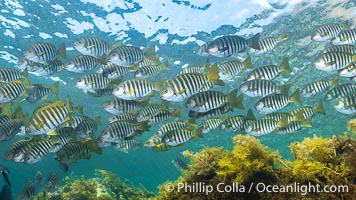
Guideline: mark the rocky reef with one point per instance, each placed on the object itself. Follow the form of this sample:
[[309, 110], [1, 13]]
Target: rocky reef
[[323, 168], [104, 186]]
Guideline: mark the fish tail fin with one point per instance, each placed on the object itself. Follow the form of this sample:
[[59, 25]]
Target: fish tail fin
[[55, 88], [102, 59], [254, 42], [62, 51], [25, 72], [236, 102], [307, 123], [283, 89], [284, 67], [164, 65], [213, 73], [97, 120], [247, 62], [199, 132], [295, 97], [319, 108], [176, 112], [283, 122], [334, 82], [159, 85], [250, 115]]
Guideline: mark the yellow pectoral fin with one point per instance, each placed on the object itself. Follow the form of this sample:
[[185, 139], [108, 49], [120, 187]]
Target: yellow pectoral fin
[[131, 92], [90, 47], [90, 83], [52, 132], [41, 53], [181, 91], [40, 124]]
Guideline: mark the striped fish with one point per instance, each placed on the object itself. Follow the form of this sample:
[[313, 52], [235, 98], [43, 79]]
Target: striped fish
[[308, 112], [319, 86], [345, 37], [346, 48], [348, 71], [101, 92], [294, 126], [8, 75], [74, 151], [211, 113], [265, 126], [333, 61], [122, 130], [53, 182], [93, 82], [48, 118], [342, 90], [28, 192], [127, 55], [13, 151], [40, 91], [4, 119], [117, 106], [261, 88], [113, 71], [40, 149], [88, 127], [170, 126], [13, 90], [75, 121], [135, 89], [128, 145], [230, 69], [47, 68], [62, 138], [150, 71], [162, 116], [228, 45], [148, 111], [92, 46], [208, 100], [237, 123], [269, 72], [10, 128], [180, 136], [279, 115], [328, 31], [211, 124], [41, 51], [83, 63], [346, 104], [267, 44], [185, 85], [274, 102], [123, 117], [65, 130], [194, 70]]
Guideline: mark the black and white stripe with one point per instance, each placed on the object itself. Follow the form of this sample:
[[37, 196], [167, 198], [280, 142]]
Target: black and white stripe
[[11, 91], [81, 63], [126, 55], [9, 75], [92, 82], [148, 112], [211, 124], [119, 130], [112, 71], [346, 48], [345, 37], [257, 87], [177, 137], [205, 101], [10, 128], [315, 88], [327, 32], [170, 126], [42, 51], [134, 89], [117, 106], [92, 46], [342, 90], [39, 149]]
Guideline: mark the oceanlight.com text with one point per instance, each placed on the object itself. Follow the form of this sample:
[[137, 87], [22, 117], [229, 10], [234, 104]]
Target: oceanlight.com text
[[303, 189]]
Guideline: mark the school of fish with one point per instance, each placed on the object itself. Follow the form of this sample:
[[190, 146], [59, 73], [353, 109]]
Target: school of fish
[[59, 128]]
